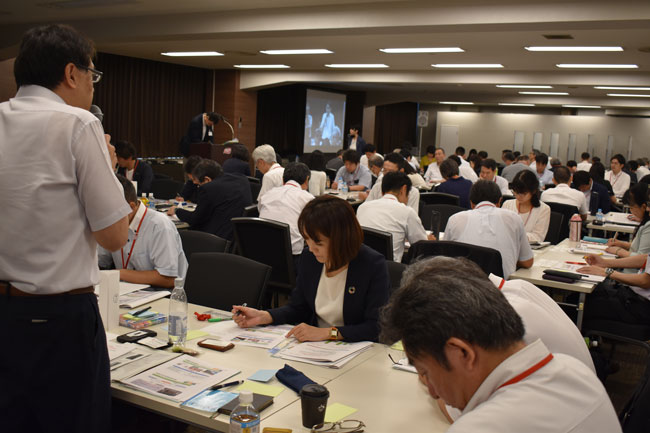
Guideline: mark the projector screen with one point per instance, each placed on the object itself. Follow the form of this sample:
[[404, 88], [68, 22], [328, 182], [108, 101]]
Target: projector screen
[[324, 119]]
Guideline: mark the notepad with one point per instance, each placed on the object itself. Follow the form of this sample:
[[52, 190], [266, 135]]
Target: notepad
[[263, 375], [261, 388], [337, 411]]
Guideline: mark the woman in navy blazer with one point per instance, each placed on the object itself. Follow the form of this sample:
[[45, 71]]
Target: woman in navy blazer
[[334, 238]]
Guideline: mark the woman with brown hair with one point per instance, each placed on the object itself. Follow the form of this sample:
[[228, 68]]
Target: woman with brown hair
[[341, 282]]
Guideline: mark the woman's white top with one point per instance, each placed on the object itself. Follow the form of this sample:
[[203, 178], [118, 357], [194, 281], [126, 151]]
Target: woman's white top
[[535, 221], [329, 299]]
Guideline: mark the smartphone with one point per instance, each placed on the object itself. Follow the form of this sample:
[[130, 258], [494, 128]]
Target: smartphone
[[220, 345], [133, 336], [154, 343]]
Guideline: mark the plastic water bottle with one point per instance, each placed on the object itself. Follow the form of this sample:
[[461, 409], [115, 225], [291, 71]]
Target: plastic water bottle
[[244, 418], [600, 217], [178, 314], [344, 187], [339, 184]]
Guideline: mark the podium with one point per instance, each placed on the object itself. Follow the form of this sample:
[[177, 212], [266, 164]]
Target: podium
[[216, 152]]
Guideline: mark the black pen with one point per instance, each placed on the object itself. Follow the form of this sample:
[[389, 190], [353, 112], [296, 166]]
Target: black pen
[[225, 385], [239, 311], [137, 313]]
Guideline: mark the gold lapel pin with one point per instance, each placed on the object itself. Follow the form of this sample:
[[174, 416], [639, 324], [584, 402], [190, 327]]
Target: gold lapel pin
[[351, 290]]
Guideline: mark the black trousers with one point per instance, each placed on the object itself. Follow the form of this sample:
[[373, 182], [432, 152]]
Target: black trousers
[[615, 301], [54, 367]]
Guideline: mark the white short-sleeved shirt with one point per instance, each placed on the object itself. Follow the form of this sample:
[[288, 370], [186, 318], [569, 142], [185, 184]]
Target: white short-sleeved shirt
[[158, 246], [620, 182], [329, 299], [364, 159], [284, 204], [317, 182], [563, 193], [489, 226], [467, 172], [414, 195], [433, 173], [58, 187], [545, 178], [271, 179], [560, 396], [535, 221], [360, 176], [645, 293], [389, 215], [583, 166], [502, 183], [641, 172]]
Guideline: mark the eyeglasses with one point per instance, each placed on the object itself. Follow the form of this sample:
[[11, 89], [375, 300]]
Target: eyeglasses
[[95, 74], [345, 426]]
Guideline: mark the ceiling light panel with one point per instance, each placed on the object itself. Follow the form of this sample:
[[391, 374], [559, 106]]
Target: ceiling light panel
[[467, 65], [573, 49], [296, 52], [523, 86], [356, 65], [580, 106], [628, 95], [456, 103], [595, 66], [192, 53], [515, 104], [620, 88], [421, 50], [545, 93], [261, 66]]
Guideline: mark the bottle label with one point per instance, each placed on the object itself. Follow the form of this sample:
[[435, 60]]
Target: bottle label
[[245, 427]]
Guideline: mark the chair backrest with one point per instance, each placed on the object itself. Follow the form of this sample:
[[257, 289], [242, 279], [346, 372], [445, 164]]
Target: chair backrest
[[488, 259], [267, 242], [331, 173], [379, 241], [252, 179], [445, 211], [201, 242], [567, 212], [593, 202], [251, 211], [506, 197], [255, 190], [439, 198], [220, 280], [166, 189], [554, 228], [395, 271]]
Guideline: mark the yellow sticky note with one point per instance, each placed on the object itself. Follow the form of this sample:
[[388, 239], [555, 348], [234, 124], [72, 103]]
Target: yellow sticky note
[[197, 333], [261, 388], [337, 411], [398, 346]]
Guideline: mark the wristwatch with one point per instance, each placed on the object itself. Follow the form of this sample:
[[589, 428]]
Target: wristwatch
[[608, 272], [334, 334]]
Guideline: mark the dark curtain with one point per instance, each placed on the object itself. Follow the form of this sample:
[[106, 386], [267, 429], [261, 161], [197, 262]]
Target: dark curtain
[[149, 103], [395, 124]]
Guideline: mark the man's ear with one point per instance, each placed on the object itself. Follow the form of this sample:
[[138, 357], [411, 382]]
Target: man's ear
[[460, 354], [70, 78]]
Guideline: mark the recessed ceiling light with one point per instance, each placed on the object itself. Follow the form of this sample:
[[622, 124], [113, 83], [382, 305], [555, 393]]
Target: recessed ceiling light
[[456, 103], [580, 106], [628, 95], [574, 48], [595, 66], [544, 93], [192, 53], [467, 65], [356, 65], [422, 50], [515, 104], [522, 86], [290, 52], [262, 66], [620, 88]]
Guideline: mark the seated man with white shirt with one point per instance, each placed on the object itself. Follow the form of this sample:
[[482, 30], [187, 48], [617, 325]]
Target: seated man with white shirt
[[391, 214], [465, 170], [433, 174], [355, 175], [471, 350], [265, 162], [563, 193], [544, 175], [392, 163], [619, 179], [285, 203], [489, 172], [369, 151], [584, 164], [488, 226], [154, 253]]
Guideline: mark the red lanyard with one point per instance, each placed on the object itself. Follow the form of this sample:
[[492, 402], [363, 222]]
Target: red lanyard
[[617, 177], [135, 238], [134, 167], [530, 212], [528, 372], [503, 282]]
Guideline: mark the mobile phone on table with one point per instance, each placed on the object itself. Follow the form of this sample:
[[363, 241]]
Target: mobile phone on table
[[133, 336], [154, 343], [214, 344]]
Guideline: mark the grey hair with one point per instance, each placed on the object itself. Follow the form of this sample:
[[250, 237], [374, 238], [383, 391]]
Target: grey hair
[[376, 161], [444, 297], [264, 152]]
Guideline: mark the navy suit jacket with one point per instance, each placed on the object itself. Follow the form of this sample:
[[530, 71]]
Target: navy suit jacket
[[219, 201], [366, 291], [236, 166], [143, 174], [194, 134], [603, 197], [361, 144]]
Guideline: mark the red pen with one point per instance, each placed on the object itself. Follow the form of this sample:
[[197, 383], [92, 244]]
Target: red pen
[[575, 263]]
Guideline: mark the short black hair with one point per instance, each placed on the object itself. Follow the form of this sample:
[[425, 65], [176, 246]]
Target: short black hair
[[396, 159], [527, 181], [356, 127], [370, 148], [296, 171], [585, 155], [620, 158], [431, 149], [485, 190], [240, 152], [562, 174], [460, 150], [571, 163], [405, 153], [455, 158], [633, 164], [213, 117], [581, 178], [449, 168], [191, 162], [595, 159], [489, 163], [638, 195], [129, 190], [339, 152], [517, 153], [541, 158], [45, 51], [509, 156], [206, 168], [504, 151], [394, 181], [352, 156], [597, 171], [125, 149], [483, 154], [316, 161]]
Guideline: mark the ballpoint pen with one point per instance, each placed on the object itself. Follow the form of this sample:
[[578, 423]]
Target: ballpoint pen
[[137, 313], [239, 311], [225, 385]]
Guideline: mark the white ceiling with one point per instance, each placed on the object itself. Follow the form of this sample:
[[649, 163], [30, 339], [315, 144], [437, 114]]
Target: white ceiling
[[488, 31]]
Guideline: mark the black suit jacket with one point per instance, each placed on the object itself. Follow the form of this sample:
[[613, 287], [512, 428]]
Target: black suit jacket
[[236, 166], [143, 174], [366, 291], [361, 144], [194, 134], [219, 201], [603, 198]]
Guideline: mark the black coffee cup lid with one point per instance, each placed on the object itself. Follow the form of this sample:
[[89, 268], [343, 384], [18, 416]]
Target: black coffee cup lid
[[314, 390]]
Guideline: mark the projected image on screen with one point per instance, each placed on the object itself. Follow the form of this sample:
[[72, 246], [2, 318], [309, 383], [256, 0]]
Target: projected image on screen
[[324, 119]]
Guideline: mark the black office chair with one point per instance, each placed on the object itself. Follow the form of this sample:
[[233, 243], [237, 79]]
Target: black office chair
[[594, 200], [166, 189], [331, 173], [251, 211], [220, 280], [506, 197], [379, 241], [201, 242], [555, 225], [487, 258], [161, 176], [567, 212], [255, 189], [268, 242], [439, 198], [445, 211], [252, 179], [395, 271]]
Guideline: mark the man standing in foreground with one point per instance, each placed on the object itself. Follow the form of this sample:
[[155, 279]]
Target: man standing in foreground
[[467, 344], [64, 200]]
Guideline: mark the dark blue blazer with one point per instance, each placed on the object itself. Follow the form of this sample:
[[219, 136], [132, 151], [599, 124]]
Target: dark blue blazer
[[361, 144], [194, 134], [366, 291], [603, 197], [236, 166], [143, 174]]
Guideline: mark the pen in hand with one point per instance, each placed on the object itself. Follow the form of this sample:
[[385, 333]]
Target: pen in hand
[[239, 311], [225, 385]]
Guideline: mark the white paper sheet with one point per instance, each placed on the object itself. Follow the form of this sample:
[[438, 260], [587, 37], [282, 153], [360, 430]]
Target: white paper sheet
[[141, 297], [265, 337]]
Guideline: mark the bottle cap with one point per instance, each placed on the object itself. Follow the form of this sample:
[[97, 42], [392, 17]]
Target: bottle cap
[[178, 282], [245, 397]]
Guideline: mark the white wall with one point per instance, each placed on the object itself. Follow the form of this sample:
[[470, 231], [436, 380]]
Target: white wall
[[493, 132]]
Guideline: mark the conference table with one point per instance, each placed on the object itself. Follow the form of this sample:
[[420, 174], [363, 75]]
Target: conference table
[[386, 399], [617, 222]]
